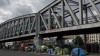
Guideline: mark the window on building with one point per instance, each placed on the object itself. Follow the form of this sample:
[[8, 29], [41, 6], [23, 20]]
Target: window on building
[[92, 39]]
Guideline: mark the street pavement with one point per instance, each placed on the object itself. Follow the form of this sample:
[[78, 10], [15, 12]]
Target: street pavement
[[17, 53]]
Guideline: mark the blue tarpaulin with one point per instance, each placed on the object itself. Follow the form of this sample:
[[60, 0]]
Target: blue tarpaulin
[[50, 51], [32, 48], [74, 52]]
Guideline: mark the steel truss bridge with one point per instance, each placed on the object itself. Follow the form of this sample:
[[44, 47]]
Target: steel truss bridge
[[61, 17]]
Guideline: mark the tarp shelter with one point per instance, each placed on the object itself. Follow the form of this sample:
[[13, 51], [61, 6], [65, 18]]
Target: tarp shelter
[[75, 52]]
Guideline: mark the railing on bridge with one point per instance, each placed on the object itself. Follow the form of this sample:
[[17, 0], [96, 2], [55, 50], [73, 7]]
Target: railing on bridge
[[18, 26]]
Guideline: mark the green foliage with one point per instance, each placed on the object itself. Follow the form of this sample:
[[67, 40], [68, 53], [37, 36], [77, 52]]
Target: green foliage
[[57, 50], [86, 52], [45, 47], [64, 51], [54, 46], [38, 47], [60, 51], [72, 45], [78, 41]]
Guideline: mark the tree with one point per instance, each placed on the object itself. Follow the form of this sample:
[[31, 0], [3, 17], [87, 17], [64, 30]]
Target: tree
[[79, 41]]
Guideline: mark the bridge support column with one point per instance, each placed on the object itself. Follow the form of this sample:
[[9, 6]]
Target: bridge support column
[[38, 40], [59, 40], [85, 38]]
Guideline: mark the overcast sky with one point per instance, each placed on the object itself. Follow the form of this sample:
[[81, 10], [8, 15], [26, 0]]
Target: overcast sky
[[13, 8]]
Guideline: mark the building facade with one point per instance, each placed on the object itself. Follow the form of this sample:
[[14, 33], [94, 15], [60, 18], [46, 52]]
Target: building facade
[[93, 38]]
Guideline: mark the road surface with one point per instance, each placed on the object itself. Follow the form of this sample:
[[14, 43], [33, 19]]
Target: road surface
[[17, 53]]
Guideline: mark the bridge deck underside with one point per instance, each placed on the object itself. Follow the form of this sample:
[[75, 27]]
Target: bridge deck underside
[[73, 32], [18, 38]]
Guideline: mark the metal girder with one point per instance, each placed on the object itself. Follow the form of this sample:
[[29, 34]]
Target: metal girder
[[44, 22], [25, 25], [14, 28], [72, 13], [81, 27], [37, 24], [72, 21], [49, 20], [17, 18], [56, 18], [10, 29], [0, 31], [86, 16], [62, 14], [3, 32], [50, 5], [7, 29], [33, 22], [81, 11], [77, 10], [94, 6], [18, 26], [92, 14], [71, 1], [29, 25]]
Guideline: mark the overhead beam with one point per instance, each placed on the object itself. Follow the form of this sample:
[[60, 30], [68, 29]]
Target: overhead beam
[[88, 5], [94, 6], [62, 13], [16, 18], [33, 22], [50, 5], [92, 14], [44, 22], [49, 20], [14, 28], [72, 13], [29, 24], [81, 11], [56, 18]]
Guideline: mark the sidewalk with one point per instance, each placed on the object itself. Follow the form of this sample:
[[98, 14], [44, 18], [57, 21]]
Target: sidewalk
[[94, 54], [91, 54]]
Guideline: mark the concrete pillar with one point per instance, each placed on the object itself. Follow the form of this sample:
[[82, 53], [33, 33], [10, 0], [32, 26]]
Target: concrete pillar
[[99, 37], [85, 38], [38, 40], [59, 40]]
